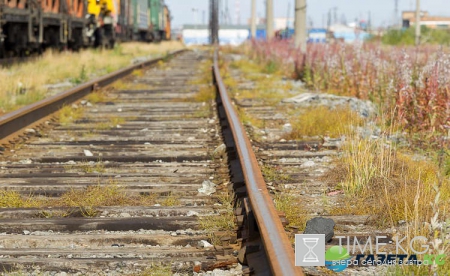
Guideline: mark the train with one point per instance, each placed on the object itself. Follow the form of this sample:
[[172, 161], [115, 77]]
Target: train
[[32, 26]]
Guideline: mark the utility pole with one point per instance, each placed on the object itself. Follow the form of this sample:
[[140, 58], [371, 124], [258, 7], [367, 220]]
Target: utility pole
[[335, 14], [396, 14], [300, 25], [417, 22], [214, 21], [269, 19], [287, 20], [253, 23]]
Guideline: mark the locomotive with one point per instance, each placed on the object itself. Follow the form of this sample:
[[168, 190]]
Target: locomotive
[[31, 26]]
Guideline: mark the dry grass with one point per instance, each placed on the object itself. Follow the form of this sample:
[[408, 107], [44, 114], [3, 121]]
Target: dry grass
[[287, 202], [170, 200], [248, 119], [109, 194], [12, 199], [387, 183], [269, 89], [68, 114], [87, 167], [97, 97], [25, 83], [225, 221], [322, 121], [205, 94], [127, 85], [392, 186], [111, 122], [156, 270], [273, 174], [207, 91]]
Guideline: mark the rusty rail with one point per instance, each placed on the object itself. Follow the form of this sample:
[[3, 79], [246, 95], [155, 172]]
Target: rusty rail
[[12, 123], [277, 246]]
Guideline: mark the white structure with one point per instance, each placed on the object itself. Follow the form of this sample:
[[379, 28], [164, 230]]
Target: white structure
[[228, 35], [282, 22], [348, 34], [195, 35]]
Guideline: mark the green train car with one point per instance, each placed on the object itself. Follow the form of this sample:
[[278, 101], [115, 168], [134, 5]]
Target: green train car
[[150, 19]]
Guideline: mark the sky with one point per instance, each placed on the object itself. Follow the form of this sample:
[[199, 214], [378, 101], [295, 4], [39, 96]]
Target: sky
[[382, 11]]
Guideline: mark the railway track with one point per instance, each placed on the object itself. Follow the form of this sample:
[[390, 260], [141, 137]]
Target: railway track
[[299, 169], [124, 186]]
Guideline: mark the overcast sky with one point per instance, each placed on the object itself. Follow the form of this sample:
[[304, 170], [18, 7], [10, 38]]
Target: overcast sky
[[382, 11]]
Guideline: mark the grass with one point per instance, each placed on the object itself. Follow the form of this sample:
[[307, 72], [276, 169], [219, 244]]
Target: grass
[[205, 94], [111, 122], [170, 200], [273, 174], [322, 121], [156, 270], [404, 186], [224, 221], [287, 202], [127, 85], [12, 199], [87, 167], [248, 119], [101, 195], [391, 185], [97, 97], [69, 114], [383, 178], [207, 91], [87, 199], [23, 84]]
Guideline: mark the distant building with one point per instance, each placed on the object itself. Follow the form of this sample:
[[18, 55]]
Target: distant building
[[432, 22], [347, 34], [228, 34], [279, 23], [283, 23], [195, 34], [317, 35]]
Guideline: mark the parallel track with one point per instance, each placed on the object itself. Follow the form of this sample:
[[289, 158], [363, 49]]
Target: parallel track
[[162, 146]]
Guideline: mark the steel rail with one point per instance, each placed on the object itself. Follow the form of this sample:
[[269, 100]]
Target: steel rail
[[278, 248], [12, 123]]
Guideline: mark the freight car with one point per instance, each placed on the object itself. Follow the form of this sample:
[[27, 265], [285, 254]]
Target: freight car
[[33, 25], [151, 20], [28, 26]]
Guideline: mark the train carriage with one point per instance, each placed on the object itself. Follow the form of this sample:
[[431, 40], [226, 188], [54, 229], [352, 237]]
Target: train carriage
[[31, 26], [166, 23], [28, 26]]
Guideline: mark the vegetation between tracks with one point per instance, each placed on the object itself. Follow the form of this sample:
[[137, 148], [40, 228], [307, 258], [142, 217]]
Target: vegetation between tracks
[[220, 224], [26, 83], [85, 202]]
